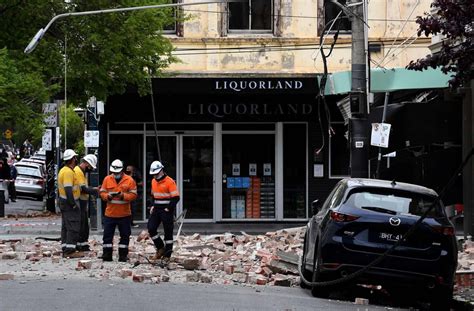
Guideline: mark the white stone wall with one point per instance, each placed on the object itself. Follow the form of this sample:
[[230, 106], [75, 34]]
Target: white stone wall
[[295, 40]]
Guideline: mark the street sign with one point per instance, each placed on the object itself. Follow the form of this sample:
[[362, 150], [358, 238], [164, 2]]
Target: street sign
[[48, 140], [50, 114], [380, 134], [91, 139], [8, 134]]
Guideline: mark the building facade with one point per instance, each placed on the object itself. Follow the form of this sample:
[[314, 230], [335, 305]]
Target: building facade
[[237, 122]]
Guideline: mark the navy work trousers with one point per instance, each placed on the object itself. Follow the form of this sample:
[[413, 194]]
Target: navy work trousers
[[125, 230], [158, 216]]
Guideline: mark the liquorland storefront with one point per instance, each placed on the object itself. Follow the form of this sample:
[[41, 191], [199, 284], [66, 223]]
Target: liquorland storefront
[[240, 149]]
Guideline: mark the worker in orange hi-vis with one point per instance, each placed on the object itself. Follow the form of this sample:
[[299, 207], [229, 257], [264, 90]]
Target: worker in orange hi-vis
[[118, 189], [165, 196]]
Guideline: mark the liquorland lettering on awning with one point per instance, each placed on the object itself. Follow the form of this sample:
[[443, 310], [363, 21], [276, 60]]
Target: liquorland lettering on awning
[[242, 85], [389, 80], [245, 86], [220, 110]]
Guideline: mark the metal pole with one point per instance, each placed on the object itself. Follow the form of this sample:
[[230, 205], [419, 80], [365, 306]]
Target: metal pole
[[358, 127], [379, 157], [34, 42], [65, 92]]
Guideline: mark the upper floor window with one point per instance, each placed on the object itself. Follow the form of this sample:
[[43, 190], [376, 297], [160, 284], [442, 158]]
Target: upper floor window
[[251, 15], [331, 10], [171, 24]]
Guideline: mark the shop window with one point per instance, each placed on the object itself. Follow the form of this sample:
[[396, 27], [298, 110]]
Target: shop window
[[339, 153], [251, 15], [331, 10], [248, 168], [294, 170]]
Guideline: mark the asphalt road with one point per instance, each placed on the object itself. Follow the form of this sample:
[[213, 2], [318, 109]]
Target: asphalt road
[[123, 295], [23, 206]]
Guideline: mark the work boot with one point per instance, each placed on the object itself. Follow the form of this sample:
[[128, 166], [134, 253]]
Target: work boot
[[123, 258], [107, 255], [159, 254], [123, 254], [73, 255]]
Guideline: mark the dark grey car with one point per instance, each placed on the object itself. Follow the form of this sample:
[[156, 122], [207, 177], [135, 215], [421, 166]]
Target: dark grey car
[[361, 219]]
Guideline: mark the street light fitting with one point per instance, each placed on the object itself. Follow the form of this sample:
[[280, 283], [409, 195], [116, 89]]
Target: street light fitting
[[34, 42]]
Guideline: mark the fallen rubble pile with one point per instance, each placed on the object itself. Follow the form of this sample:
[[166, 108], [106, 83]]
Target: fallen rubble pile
[[269, 259], [465, 269]]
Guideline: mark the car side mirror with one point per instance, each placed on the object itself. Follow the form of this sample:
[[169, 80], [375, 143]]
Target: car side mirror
[[315, 206]]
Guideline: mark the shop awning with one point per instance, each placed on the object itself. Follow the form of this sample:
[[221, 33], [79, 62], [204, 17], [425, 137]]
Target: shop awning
[[389, 80]]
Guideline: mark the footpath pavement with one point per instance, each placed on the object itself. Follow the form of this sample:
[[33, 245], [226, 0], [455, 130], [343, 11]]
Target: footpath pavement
[[28, 217]]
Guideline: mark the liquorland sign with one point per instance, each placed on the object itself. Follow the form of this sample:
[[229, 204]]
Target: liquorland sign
[[249, 85], [245, 86], [221, 110]]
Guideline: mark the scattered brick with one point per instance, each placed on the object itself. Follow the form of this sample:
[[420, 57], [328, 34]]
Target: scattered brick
[[6, 276]]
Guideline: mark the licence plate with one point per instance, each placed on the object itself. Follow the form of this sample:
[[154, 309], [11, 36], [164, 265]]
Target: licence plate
[[25, 181], [392, 237]]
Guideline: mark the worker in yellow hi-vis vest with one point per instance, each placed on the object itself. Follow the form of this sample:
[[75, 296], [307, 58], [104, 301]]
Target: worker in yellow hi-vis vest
[[69, 192]]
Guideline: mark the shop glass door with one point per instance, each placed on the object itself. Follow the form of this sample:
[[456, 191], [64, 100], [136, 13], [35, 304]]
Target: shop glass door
[[197, 192], [248, 167]]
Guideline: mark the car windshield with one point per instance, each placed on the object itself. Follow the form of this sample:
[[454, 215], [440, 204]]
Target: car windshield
[[28, 170], [392, 202]]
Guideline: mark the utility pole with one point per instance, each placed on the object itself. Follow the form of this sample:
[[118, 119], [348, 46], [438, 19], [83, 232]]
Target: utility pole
[[92, 121], [358, 124]]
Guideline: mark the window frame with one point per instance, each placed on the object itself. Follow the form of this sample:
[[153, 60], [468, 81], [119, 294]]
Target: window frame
[[273, 21], [324, 20]]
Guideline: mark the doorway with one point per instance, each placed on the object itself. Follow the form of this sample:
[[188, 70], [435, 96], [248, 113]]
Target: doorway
[[188, 159]]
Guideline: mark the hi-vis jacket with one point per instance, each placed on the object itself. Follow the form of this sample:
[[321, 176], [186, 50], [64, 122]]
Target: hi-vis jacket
[[164, 191], [68, 178], [118, 207]]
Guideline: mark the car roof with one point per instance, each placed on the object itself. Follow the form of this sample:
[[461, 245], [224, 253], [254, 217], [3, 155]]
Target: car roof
[[28, 164], [387, 184]]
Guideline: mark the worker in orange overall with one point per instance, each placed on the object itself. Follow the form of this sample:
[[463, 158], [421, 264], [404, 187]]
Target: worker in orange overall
[[118, 189]]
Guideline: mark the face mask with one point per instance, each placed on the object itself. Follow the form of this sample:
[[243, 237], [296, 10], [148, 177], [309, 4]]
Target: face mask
[[88, 170], [117, 176]]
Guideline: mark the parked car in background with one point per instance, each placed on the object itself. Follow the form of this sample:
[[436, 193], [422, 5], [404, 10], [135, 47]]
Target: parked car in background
[[37, 162], [30, 180], [361, 219]]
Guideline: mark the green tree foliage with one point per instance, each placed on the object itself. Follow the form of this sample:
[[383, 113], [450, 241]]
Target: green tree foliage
[[103, 54], [73, 126], [454, 19]]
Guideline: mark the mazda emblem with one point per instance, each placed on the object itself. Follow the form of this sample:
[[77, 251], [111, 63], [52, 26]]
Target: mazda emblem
[[394, 221]]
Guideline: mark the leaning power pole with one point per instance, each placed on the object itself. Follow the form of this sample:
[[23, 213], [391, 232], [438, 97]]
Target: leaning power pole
[[358, 124]]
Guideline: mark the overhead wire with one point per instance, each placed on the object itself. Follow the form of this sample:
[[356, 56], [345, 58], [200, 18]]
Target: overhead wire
[[400, 31], [387, 60], [322, 83]]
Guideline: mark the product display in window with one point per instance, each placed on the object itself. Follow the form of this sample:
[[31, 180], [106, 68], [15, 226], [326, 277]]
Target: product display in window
[[251, 197]]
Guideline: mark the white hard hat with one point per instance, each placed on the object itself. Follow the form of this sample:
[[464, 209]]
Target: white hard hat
[[116, 166], [156, 167], [69, 154], [91, 159]]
